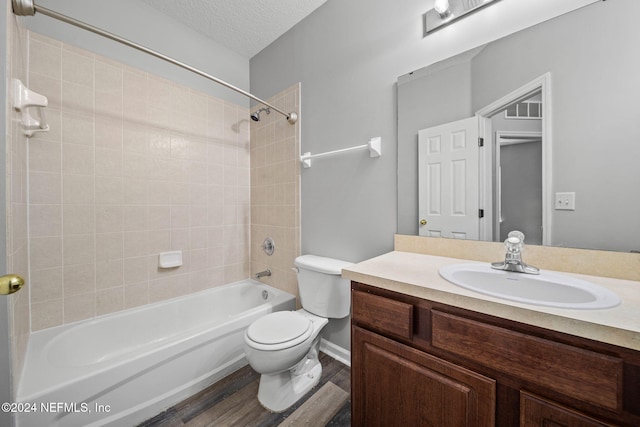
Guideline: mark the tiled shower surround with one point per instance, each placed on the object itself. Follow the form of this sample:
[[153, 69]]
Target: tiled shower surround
[[135, 165], [275, 191]]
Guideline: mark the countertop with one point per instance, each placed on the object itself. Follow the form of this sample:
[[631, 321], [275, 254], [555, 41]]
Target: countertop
[[417, 275]]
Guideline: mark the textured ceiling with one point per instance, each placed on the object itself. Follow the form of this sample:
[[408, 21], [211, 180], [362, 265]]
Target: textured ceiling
[[244, 26]]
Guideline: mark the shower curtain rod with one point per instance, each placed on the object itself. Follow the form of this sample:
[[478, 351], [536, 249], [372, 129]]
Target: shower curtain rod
[[28, 8]]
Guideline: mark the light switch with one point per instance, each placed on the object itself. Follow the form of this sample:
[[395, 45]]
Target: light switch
[[566, 201]]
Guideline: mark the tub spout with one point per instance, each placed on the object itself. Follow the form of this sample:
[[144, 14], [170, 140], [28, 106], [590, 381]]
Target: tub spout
[[260, 274]]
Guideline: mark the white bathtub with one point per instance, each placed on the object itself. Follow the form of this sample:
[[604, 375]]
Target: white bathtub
[[123, 368]]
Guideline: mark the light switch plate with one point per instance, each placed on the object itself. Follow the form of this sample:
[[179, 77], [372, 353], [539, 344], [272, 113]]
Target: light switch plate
[[566, 201]]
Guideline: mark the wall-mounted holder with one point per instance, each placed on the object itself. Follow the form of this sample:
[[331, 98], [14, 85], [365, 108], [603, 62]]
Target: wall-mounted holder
[[374, 145], [23, 99], [170, 259]]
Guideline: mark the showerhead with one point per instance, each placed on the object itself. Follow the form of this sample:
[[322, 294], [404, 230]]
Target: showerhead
[[256, 116]]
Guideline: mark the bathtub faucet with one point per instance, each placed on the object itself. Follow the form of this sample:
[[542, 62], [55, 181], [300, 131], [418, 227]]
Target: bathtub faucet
[[260, 274]]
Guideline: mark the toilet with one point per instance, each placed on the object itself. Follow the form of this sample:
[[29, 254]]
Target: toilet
[[283, 346]]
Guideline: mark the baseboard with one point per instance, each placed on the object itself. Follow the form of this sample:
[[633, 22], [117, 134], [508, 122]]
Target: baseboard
[[342, 355]]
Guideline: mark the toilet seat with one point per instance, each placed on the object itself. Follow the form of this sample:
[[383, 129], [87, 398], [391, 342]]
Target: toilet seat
[[279, 330]]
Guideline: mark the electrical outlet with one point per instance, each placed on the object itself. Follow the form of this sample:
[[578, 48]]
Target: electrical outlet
[[566, 201]]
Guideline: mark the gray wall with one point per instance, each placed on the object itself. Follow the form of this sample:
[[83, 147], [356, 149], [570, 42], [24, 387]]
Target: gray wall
[[434, 95], [595, 131], [140, 23], [348, 97], [348, 55], [594, 65]]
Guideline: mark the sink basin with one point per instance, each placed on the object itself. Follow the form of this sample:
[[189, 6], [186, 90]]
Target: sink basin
[[546, 289]]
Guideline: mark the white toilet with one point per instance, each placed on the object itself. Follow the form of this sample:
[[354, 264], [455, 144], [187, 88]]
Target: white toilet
[[283, 346]]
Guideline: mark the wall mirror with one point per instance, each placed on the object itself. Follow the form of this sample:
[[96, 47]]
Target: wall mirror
[[557, 107]]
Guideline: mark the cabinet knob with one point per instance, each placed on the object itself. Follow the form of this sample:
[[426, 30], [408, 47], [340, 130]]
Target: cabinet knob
[[423, 222]]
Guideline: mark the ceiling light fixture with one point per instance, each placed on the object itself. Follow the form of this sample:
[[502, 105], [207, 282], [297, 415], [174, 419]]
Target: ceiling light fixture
[[445, 12]]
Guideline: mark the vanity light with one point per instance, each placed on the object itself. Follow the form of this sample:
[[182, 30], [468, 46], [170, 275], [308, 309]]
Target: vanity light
[[445, 12], [442, 7]]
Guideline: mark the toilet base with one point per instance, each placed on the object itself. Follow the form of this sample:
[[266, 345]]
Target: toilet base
[[278, 392]]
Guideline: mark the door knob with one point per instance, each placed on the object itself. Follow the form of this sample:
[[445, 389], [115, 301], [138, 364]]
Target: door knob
[[423, 222], [10, 283]]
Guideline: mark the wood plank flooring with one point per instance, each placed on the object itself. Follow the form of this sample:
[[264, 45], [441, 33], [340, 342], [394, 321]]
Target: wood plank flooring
[[234, 402]]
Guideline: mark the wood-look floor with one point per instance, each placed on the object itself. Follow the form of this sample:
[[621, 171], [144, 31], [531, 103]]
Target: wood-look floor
[[234, 402]]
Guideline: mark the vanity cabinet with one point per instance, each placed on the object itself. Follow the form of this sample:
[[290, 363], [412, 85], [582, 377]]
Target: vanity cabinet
[[421, 363], [402, 386]]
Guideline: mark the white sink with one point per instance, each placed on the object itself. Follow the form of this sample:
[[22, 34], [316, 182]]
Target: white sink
[[546, 289]]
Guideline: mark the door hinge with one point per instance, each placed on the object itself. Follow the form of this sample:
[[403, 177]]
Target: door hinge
[[480, 213], [480, 142]]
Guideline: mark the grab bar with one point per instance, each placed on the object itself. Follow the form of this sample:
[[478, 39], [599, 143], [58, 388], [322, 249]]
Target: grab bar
[[374, 145]]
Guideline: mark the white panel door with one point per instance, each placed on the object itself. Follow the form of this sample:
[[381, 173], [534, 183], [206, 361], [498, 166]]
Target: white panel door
[[448, 180]]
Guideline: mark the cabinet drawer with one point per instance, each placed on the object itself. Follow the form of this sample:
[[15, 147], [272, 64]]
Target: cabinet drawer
[[581, 374], [536, 411], [383, 314]]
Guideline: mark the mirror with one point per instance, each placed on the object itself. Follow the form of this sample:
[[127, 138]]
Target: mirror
[[593, 118]]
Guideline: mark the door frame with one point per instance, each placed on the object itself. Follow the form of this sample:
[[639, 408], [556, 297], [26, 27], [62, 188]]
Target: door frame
[[540, 84], [6, 374]]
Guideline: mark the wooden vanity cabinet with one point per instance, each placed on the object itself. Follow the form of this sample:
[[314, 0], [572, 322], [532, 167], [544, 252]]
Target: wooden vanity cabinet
[[421, 363], [397, 385]]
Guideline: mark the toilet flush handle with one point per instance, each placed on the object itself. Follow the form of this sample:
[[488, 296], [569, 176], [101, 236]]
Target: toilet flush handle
[[296, 270]]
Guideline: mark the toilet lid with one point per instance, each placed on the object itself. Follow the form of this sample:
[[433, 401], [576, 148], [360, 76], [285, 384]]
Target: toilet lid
[[278, 327]]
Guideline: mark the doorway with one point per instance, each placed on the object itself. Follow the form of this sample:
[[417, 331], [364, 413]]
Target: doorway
[[530, 203], [518, 185], [483, 194]]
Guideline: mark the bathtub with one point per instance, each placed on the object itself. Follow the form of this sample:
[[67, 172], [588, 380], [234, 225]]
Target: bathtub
[[123, 368]]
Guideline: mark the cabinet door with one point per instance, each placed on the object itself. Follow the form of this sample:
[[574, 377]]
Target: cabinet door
[[538, 412], [396, 385]]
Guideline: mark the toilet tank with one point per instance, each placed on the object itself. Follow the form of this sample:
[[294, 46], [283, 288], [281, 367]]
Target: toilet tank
[[323, 291]]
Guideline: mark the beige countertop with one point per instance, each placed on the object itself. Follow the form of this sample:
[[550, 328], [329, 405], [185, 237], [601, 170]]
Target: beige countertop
[[417, 275]]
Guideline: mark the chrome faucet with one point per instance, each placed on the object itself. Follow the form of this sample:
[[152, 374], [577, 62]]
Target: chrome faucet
[[513, 258], [264, 273]]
